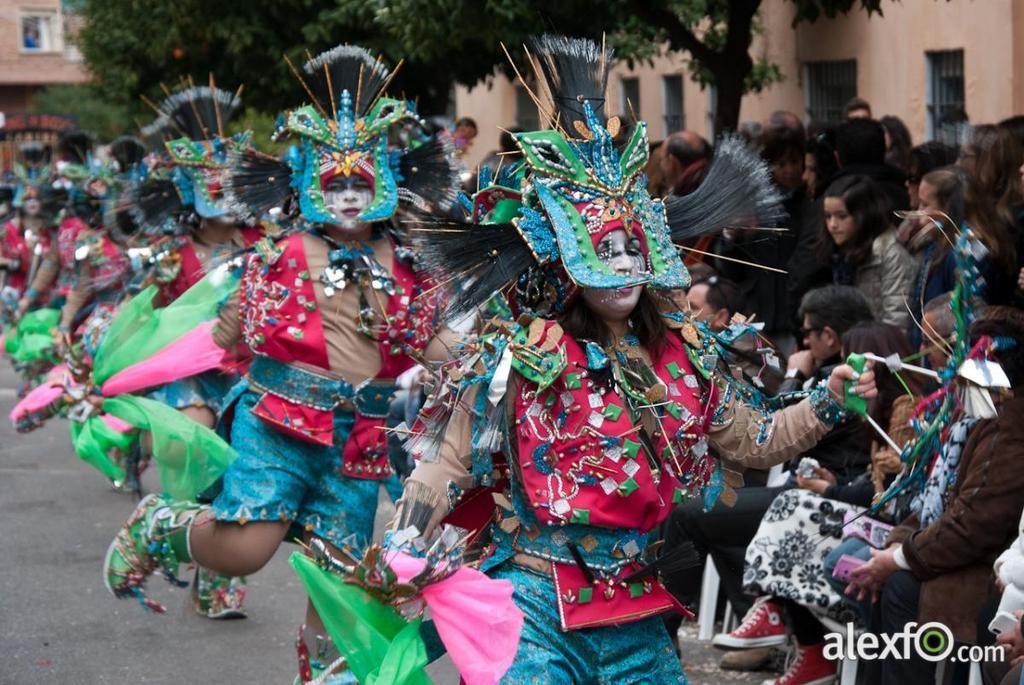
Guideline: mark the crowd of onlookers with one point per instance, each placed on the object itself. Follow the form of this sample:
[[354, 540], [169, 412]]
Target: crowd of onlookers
[[865, 262]]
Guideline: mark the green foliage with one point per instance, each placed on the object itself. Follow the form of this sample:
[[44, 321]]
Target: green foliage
[[262, 126], [99, 115], [133, 45]]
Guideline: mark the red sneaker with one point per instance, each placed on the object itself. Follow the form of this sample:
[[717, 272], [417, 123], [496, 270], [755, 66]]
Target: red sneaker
[[809, 668], [762, 627]]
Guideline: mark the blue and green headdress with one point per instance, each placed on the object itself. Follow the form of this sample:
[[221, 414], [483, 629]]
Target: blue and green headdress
[[190, 128], [581, 179], [201, 154], [349, 130]]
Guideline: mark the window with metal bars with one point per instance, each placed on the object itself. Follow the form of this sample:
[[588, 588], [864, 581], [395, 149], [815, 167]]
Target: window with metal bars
[[829, 86], [947, 115], [527, 117], [672, 89], [630, 104]]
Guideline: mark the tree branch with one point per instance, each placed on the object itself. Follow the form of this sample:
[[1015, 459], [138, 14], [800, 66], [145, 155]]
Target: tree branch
[[680, 36]]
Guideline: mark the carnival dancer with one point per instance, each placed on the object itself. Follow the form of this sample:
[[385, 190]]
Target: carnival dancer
[[30, 343], [55, 276], [332, 315], [582, 423], [102, 262], [189, 205]]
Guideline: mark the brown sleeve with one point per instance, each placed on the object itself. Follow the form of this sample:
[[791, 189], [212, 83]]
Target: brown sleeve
[[902, 532], [78, 297], [981, 515], [441, 346], [791, 431], [228, 331], [452, 466]]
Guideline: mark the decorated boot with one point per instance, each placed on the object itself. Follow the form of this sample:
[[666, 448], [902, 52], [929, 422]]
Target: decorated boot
[[155, 538], [319, 661], [218, 596]]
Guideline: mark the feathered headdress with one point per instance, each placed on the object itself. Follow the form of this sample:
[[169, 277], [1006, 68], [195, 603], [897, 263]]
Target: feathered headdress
[[190, 125], [345, 132], [579, 184]]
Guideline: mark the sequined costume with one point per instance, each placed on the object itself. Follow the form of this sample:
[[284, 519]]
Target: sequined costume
[[561, 455], [330, 323]]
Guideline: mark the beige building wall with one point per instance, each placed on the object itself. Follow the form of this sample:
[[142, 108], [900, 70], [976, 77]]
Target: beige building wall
[[891, 67], [24, 71]]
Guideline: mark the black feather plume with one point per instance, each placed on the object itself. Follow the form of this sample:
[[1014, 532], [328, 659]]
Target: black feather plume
[[736, 192], [74, 147], [155, 134], [254, 183], [155, 205], [430, 176], [575, 70], [196, 111], [52, 201], [473, 261], [127, 151], [348, 67]]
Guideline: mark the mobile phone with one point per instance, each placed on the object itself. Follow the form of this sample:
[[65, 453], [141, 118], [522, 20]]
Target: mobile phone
[[806, 467], [1003, 622], [844, 565]]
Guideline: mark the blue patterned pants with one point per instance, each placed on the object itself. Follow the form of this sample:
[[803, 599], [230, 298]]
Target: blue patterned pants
[[638, 652]]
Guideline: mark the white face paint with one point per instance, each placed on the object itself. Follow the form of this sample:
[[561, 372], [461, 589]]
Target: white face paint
[[31, 207], [345, 198], [624, 255]]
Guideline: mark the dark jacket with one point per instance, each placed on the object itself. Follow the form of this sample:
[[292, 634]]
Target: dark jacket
[[953, 556], [806, 270], [766, 293]]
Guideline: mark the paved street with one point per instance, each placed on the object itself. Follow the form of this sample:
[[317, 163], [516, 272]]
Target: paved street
[[58, 624]]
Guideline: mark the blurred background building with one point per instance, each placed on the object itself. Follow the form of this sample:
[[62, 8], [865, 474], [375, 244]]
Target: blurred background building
[[36, 51], [933, 64]]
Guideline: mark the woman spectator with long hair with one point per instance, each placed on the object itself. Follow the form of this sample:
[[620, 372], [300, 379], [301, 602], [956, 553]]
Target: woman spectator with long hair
[[993, 201], [941, 193], [858, 240], [897, 143]]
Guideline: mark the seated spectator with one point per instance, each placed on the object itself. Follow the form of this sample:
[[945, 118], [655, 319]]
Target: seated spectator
[[860, 151], [717, 301], [1009, 570], [863, 249], [820, 162], [725, 531], [941, 571], [931, 239], [714, 300], [857, 108], [924, 158], [994, 205], [937, 327], [784, 559]]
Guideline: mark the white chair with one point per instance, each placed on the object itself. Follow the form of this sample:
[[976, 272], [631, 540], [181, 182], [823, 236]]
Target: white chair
[[708, 601], [711, 582], [848, 667]]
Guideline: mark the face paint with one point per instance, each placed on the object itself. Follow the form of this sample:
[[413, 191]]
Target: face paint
[[346, 197], [31, 207], [622, 253]]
